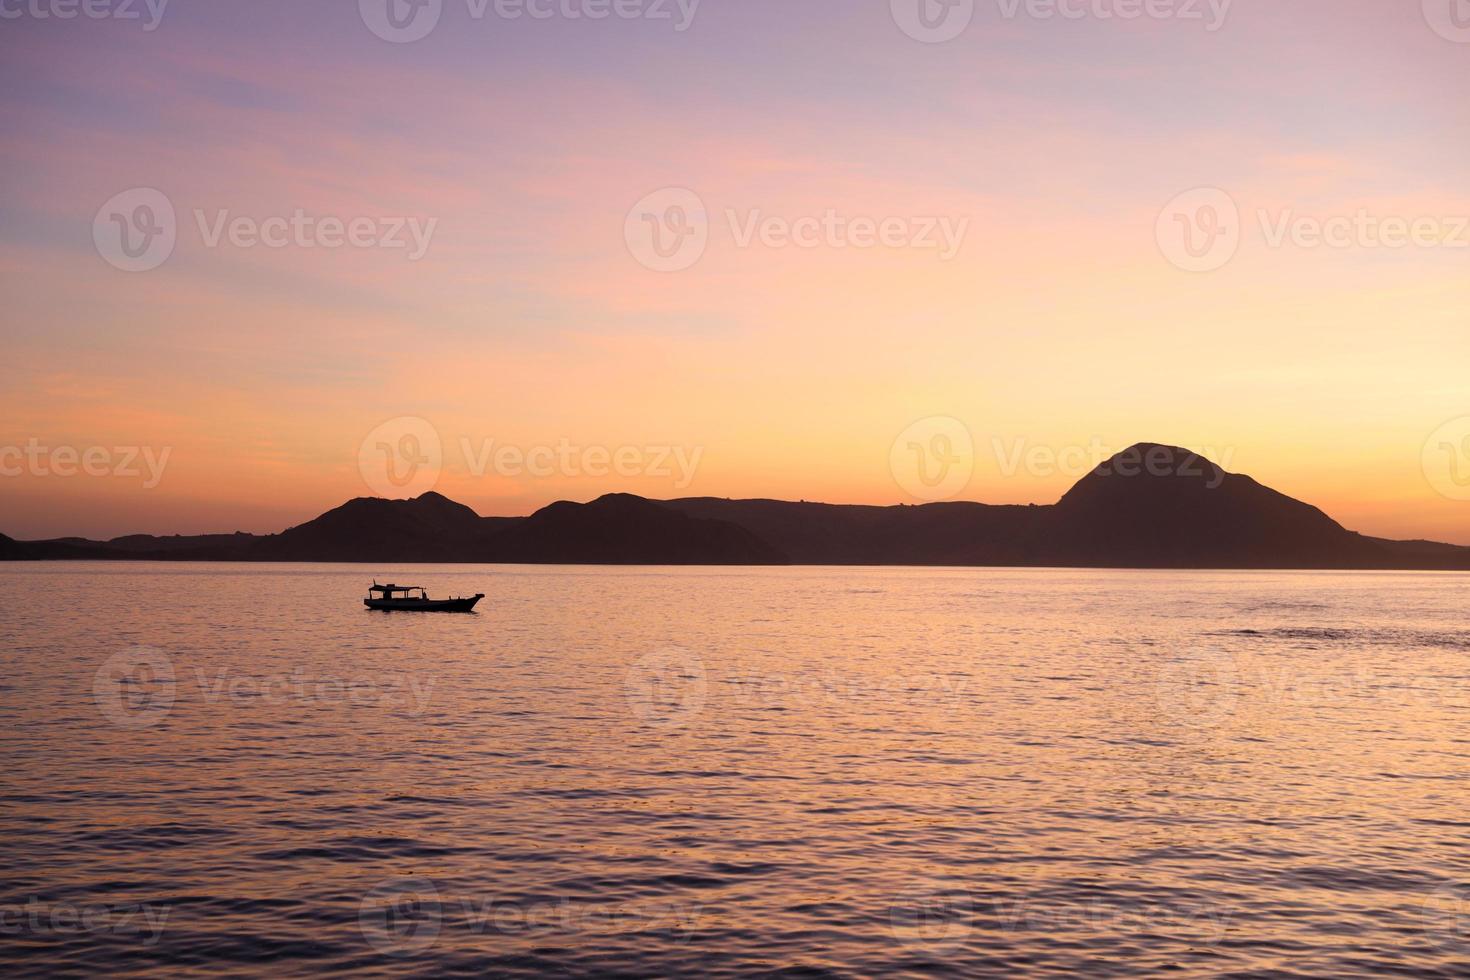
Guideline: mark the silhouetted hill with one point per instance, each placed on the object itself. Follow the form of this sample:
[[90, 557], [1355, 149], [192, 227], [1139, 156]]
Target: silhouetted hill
[[59, 550], [427, 528], [1423, 554], [620, 529], [179, 542], [1150, 506], [1161, 506], [838, 534]]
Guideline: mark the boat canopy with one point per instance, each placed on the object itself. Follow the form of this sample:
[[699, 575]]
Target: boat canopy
[[389, 590]]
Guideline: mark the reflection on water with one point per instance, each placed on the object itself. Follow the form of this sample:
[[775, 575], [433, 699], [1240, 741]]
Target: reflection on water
[[648, 771]]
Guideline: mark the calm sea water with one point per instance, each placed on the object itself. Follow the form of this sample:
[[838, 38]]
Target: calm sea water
[[237, 770]]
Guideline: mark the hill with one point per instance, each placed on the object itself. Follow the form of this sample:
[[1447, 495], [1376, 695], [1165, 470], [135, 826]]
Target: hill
[[1151, 506]]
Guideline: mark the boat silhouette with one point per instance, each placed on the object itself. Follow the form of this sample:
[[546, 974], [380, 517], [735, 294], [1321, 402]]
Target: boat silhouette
[[401, 598]]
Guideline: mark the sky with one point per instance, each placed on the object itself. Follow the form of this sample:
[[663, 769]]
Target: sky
[[262, 258]]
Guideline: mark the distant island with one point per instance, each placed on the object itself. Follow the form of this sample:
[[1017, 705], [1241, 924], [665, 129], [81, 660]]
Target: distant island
[[1150, 506]]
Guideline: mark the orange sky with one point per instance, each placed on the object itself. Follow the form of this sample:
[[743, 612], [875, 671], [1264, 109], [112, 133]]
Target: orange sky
[[1062, 322]]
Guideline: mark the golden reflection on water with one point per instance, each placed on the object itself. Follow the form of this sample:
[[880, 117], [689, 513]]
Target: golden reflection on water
[[734, 770]]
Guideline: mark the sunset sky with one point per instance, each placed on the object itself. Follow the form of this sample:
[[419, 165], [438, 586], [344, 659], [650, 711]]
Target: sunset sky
[[522, 148]]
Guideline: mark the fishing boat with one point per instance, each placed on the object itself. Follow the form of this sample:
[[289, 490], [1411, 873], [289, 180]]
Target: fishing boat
[[401, 598]]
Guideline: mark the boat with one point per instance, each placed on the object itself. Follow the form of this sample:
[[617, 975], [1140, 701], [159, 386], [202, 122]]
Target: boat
[[401, 598]]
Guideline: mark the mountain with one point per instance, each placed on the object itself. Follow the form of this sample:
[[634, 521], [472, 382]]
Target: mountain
[[58, 550], [1157, 506], [620, 529], [845, 534], [427, 528], [1151, 506]]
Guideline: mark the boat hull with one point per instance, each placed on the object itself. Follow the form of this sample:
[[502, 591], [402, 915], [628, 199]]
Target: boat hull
[[423, 605]]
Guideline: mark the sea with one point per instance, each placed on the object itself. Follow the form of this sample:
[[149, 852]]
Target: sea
[[238, 770]]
